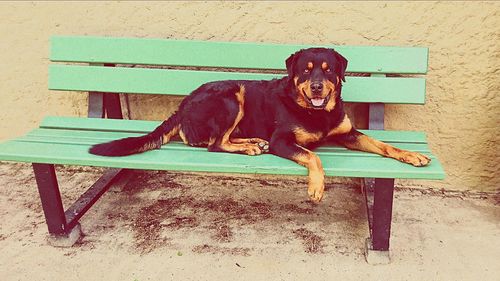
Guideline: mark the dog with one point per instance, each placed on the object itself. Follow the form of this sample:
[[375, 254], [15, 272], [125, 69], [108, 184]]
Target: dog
[[285, 117]]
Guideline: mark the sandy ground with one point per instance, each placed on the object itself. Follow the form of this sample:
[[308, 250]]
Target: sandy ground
[[173, 226]]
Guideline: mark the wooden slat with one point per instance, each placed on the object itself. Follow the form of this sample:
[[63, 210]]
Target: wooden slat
[[94, 124], [372, 59], [204, 161], [142, 126], [182, 82], [94, 137]]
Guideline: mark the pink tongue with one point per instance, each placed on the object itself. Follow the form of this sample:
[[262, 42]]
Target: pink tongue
[[317, 102]]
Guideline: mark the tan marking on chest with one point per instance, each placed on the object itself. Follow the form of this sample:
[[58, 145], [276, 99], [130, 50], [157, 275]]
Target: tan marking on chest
[[344, 127], [304, 137]]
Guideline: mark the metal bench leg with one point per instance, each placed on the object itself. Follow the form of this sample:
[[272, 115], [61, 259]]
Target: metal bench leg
[[113, 106], [104, 104], [64, 228], [379, 197], [59, 233], [96, 105]]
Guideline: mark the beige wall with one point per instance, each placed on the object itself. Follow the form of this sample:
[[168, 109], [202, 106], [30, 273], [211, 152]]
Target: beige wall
[[462, 112]]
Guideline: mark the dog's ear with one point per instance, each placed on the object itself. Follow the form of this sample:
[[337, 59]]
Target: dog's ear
[[342, 64], [290, 62]]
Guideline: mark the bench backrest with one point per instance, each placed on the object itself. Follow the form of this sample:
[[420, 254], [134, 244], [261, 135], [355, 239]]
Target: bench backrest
[[144, 66]]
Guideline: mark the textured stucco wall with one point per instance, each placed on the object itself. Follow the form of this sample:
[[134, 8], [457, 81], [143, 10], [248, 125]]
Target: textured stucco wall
[[461, 116]]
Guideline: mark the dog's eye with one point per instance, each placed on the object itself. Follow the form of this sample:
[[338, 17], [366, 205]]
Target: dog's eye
[[328, 70]]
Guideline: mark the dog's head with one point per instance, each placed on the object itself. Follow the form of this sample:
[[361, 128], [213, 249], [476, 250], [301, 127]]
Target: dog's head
[[317, 75]]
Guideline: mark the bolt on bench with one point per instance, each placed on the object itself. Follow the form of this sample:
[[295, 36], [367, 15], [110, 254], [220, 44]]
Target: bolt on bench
[[102, 67]]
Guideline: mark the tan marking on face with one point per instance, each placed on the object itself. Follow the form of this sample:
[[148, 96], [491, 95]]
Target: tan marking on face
[[332, 89], [304, 137], [324, 65], [304, 93], [329, 88], [343, 128], [300, 88], [310, 65]]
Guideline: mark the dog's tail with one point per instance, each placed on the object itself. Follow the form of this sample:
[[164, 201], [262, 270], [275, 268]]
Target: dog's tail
[[133, 145]]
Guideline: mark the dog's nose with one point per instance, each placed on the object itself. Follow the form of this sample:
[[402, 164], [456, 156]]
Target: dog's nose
[[317, 87]]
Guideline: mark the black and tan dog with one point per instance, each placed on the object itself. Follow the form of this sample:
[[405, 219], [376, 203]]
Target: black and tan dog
[[283, 116]]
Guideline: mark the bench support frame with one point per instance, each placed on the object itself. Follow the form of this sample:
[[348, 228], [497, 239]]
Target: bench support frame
[[103, 105], [379, 193], [379, 199], [63, 226]]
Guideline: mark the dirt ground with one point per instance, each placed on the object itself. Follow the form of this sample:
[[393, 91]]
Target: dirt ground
[[181, 226]]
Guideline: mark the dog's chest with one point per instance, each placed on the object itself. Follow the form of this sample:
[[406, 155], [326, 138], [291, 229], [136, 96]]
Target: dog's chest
[[305, 137]]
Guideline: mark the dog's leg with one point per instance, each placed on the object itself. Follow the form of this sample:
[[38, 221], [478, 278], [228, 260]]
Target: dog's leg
[[263, 144], [285, 146], [224, 143], [358, 141]]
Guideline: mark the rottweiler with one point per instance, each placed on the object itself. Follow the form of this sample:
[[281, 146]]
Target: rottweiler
[[285, 117]]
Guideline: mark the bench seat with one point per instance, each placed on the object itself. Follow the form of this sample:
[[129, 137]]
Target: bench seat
[[66, 140]]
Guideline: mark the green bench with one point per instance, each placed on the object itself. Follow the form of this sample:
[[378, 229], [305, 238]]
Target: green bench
[[104, 67]]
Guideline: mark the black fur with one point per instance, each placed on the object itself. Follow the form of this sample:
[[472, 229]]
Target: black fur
[[133, 145], [271, 111]]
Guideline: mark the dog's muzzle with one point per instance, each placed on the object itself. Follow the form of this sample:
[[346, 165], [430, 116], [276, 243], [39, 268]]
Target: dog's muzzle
[[317, 102]]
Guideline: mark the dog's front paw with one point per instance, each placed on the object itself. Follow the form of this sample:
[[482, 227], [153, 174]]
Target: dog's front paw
[[316, 192], [264, 146], [414, 158]]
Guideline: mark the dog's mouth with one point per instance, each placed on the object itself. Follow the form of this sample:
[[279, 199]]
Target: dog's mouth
[[318, 103]]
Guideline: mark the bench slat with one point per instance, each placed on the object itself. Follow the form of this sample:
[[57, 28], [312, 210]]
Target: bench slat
[[70, 138], [203, 161], [142, 126], [182, 82], [61, 135], [371, 59]]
